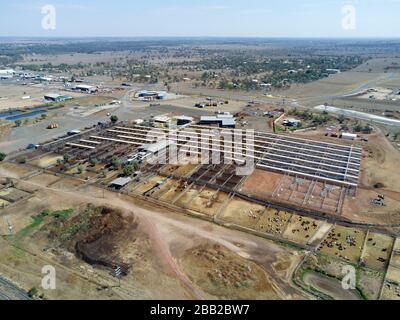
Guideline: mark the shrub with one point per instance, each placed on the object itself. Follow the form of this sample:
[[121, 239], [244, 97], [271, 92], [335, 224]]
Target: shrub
[[114, 119], [22, 159], [116, 162]]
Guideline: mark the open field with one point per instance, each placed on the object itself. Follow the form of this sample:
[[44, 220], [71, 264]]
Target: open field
[[17, 170], [43, 179], [11, 95], [47, 161], [373, 73], [12, 194]]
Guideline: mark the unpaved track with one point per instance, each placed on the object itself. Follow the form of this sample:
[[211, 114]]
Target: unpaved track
[[165, 254]]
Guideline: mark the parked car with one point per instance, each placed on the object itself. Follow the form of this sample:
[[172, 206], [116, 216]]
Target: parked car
[[32, 146], [73, 132]]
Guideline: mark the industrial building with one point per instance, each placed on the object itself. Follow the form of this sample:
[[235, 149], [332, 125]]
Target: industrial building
[[119, 183], [292, 122], [44, 78], [162, 121], [348, 136], [153, 148], [55, 97], [7, 72], [6, 76], [85, 88], [221, 120], [183, 120], [151, 95]]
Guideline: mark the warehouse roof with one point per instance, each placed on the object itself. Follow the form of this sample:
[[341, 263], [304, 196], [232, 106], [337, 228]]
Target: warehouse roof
[[155, 147], [163, 118], [184, 118], [84, 86], [228, 122], [54, 95], [121, 182]]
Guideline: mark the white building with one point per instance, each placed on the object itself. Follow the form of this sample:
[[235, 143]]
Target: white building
[[44, 78], [85, 88], [291, 122], [348, 136], [7, 72]]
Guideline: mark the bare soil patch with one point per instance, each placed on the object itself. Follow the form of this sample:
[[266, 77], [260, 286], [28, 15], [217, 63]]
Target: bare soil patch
[[226, 275]]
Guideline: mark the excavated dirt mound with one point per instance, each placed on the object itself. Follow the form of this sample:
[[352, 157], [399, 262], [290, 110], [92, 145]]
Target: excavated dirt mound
[[97, 236], [98, 245]]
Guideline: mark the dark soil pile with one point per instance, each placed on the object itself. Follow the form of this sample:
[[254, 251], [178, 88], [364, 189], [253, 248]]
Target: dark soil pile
[[97, 234]]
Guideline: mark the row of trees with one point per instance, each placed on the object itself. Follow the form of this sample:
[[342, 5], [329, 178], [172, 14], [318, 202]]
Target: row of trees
[[128, 169]]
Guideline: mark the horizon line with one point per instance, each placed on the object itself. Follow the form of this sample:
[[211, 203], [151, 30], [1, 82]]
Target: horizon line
[[203, 37]]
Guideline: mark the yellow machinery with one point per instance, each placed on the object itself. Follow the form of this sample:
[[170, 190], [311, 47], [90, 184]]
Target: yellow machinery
[[53, 126]]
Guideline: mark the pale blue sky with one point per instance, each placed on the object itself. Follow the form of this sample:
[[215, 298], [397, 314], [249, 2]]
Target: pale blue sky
[[242, 18]]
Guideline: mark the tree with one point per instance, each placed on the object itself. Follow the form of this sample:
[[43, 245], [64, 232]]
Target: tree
[[2, 156], [129, 170], [93, 161], [114, 119], [116, 162], [80, 169], [135, 165], [33, 292], [367, 129], [18, 122], [66, 157], [357, 128]]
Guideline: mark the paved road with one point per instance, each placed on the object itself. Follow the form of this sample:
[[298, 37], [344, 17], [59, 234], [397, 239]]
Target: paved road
[[8, 291], [359, 115]]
